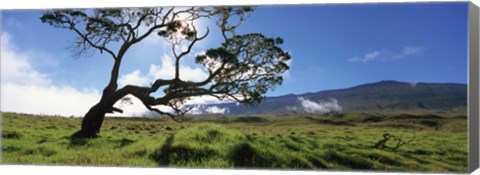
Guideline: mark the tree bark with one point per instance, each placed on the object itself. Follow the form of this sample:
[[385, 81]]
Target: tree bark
[[93, 119], [92, 122]]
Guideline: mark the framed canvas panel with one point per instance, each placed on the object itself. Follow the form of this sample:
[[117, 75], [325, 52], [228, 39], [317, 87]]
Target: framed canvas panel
[[473, 101], [252, 88]]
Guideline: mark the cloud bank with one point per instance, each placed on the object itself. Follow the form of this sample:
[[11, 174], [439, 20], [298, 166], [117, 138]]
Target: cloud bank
[[305, 105], [26, 90], [201, 109]]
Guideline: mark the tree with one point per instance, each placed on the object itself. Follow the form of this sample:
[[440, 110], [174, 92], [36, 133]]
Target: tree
[[243, 68]]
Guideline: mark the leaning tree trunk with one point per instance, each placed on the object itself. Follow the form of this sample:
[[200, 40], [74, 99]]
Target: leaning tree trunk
[[93, 119], [92, 122]]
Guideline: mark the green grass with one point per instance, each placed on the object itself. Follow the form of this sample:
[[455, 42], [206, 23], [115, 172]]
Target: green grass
[[341, 142]]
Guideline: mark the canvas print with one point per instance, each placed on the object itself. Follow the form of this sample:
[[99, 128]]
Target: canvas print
[[348, 87]]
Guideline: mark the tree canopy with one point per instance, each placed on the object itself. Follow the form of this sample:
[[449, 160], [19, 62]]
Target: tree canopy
[[242, 68]]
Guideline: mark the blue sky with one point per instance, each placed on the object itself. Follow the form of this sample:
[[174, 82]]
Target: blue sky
[[323, 39], [332, 46]]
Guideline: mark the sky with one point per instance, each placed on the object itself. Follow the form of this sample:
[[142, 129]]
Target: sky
[[332, 47]]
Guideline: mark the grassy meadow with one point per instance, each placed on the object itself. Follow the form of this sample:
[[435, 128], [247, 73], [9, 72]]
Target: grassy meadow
[[348, 141]]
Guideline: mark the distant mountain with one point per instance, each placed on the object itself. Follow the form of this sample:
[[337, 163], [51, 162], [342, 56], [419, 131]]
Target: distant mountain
[[379, 96]]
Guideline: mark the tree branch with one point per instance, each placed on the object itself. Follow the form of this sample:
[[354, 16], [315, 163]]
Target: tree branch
[[101, 48], [153, 28]]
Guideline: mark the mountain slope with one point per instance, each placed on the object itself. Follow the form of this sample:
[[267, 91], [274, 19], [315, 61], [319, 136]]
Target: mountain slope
[[379, 96]]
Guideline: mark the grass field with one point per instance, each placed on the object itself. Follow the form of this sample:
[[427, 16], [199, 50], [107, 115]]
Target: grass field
[[431, 143]]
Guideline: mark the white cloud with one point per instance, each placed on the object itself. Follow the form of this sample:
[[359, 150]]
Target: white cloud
[[16, 67], [200, 109], [407, 51], [287, 74], [371, 56], [413, 84], [134, 107], [309, 106], [167, 71], [49, 100], [200, 25], [196, 110], [133, 78], [206, 99], [386, 55], [216, 110], [26, 90]]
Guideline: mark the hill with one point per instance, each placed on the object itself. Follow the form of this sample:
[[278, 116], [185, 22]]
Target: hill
[[383, 96]]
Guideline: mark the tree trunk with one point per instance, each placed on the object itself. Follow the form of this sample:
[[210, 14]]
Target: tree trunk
[[93, 119], [92, 122]]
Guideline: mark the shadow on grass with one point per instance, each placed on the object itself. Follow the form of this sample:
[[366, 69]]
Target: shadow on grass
[[124, 142], [330, 122], [244, 154], [243, 119], [76, 140], [171, 154], [250, 119], [355, 162], [11, 135], [162, 156], [247, 156]]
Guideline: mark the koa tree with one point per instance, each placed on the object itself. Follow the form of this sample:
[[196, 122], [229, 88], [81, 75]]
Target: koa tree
[[242, 68]]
